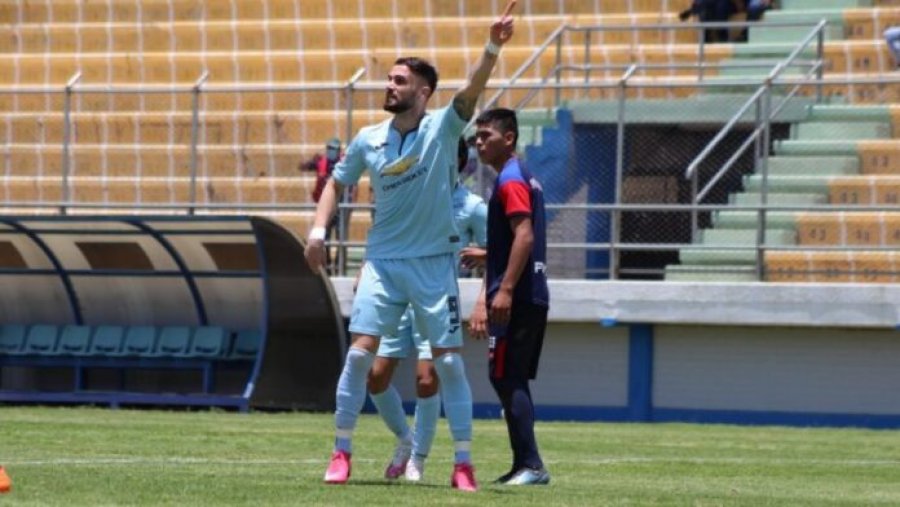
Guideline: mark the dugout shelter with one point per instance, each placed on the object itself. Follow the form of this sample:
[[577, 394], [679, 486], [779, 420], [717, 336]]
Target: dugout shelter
[[163, 310]]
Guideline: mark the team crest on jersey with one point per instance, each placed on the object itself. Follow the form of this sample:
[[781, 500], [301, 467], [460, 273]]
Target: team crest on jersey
[[399, 167]]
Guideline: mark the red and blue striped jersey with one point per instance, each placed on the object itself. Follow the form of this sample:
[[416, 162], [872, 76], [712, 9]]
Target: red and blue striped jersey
[[517, 193]]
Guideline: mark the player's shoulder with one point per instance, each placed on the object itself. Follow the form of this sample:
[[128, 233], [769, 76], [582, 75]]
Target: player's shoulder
[[512, 172], [445, 119], [434, 117], [375, 133]]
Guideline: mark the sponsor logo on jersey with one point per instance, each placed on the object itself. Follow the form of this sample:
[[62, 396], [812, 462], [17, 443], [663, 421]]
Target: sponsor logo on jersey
[[399, 166]]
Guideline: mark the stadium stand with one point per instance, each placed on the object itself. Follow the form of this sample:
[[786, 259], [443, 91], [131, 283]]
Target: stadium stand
[[250, 143], [136, 148], [843, 153]]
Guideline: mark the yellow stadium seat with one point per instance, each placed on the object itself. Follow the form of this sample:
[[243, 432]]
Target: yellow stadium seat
[[871, 189], [863, 229], [850, 190], [874, 267], [255, 127], [891, 229], [819, 229], [887, 190], [879, 157], [832, 266], [784, 266]]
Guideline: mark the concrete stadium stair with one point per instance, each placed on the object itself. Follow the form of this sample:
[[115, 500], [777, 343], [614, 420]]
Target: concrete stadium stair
[[823, 161]]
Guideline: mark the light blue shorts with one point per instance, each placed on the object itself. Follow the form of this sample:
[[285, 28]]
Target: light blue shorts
[[406, 341], [426, 284]]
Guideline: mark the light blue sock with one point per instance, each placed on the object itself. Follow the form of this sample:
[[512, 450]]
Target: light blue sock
[[350, 396], [428, 410], [457, 402], [390, 406]]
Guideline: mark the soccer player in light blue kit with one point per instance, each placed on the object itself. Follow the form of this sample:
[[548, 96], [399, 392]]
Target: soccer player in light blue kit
[[412, 244], [470, 215]]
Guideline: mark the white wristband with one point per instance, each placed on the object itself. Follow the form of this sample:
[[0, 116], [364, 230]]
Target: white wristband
[[492, 49], [317, 233]]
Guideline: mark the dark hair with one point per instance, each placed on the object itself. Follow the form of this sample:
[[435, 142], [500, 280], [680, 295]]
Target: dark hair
[[462, 153], [422, 69], [504, 120]]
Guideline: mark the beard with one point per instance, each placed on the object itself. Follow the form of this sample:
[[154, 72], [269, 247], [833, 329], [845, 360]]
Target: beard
[[400, 106]]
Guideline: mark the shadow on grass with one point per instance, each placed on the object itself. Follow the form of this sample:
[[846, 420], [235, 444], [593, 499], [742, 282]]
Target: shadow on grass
[[493, 489]]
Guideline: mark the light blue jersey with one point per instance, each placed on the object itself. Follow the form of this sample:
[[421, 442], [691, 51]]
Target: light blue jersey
[[470, 215], [413, 205]]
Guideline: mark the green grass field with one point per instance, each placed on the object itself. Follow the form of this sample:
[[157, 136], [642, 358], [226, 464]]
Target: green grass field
[[96, 456]]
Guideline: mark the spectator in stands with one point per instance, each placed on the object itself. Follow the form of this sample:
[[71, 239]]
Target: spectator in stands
[[5, 482], [892, 37], [708, 11], [755, 10], [512, 306], [470, 214], [411, 247], [323, 165], [711, 11]]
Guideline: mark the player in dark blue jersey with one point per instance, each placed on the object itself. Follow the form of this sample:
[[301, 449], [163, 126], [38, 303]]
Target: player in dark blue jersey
[[512, 307]]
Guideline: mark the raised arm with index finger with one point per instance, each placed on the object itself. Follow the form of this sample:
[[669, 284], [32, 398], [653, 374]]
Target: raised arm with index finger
[[501, 31]]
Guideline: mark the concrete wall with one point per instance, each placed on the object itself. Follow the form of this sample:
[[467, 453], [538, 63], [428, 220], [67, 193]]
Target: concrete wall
[[796, 354]]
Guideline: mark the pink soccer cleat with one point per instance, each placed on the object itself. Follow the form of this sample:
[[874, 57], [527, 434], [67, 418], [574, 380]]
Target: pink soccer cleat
[[397, 467], [394, 471], [463, 477], [339, 469]]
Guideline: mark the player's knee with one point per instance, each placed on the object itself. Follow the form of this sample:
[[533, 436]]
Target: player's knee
[[359, 358], [450, 367], [378, 380], [506, 385], [426, 385]]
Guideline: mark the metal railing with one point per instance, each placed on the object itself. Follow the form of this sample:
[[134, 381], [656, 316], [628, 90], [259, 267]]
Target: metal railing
[[763, 123], [761, 135], [557, 38], [759, 138]]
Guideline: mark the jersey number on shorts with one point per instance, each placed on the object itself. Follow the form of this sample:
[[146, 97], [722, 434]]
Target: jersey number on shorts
[[453, 307]]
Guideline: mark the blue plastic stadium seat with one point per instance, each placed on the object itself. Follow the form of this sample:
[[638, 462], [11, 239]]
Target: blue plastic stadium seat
[[246, 345], [107, 341], [74, 340], [174, 341], [41, 340], [139, 341], [12, 339], [209, 342]]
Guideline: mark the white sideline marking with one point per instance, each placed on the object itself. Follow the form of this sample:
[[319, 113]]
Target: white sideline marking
[[321, 461]]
